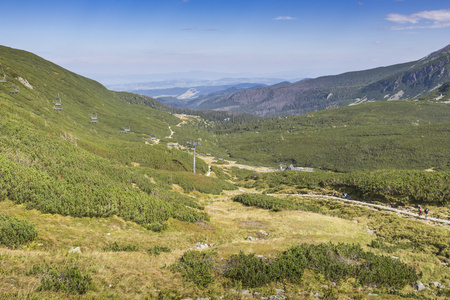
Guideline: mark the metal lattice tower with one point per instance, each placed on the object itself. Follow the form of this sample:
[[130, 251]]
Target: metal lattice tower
[[193, 144]]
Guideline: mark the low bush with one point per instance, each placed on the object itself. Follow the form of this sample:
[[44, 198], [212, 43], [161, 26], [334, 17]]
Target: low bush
[[15, 232], [334, 262], [251, 271], [196, 267], [342, 261], [115, 247], [220, 173], [157, 250], [67, 278], [272, 203]]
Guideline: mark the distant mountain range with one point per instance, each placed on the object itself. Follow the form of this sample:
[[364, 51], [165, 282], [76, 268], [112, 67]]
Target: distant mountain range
[[187, 83], [401, 81]]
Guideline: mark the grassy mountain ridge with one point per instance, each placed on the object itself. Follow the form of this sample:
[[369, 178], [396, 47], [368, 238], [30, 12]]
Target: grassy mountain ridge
[[306, 95]]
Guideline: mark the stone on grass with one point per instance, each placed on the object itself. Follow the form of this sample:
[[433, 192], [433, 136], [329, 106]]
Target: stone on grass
[[418, 286], [76, 250], [435, 284], [201, 246]]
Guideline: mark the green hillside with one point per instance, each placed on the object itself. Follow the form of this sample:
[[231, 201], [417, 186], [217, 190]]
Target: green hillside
[[387, 135], [60, 162]]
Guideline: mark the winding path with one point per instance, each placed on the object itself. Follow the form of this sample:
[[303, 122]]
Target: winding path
[[360, 203], [171, 133]]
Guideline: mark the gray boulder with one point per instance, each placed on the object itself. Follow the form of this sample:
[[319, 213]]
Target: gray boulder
[[435, 284], [418, 286]]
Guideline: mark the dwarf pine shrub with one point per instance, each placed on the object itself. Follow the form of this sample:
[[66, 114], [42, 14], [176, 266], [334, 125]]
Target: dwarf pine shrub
[[157, 250], [67, 278], [15, 232], [196, 267], [115, 247]]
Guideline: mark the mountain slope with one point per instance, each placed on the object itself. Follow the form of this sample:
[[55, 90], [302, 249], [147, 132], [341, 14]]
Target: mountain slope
[[395, 82], [59, 162], [422, 78]]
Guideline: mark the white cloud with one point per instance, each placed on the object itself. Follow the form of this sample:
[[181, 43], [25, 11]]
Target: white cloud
[[421, 20], [284, 18]]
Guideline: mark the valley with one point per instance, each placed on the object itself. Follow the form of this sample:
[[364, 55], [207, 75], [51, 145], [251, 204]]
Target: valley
[[112, 210]]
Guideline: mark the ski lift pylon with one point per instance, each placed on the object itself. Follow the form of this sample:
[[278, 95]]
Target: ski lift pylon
[[125, 129], [14, 90], [58, 104], [94, 118], [4, 76]]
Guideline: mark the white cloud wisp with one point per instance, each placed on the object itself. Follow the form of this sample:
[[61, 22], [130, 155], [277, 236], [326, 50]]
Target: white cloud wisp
[[284, 18], [428, 19]]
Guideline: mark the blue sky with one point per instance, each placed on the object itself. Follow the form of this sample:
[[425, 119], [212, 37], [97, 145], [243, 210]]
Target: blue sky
[[308, 38]]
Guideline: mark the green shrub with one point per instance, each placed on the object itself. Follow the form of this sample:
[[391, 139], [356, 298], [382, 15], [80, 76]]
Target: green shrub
[[114, 247], [196, 267], [220, 173], [157, 250], [272, 203], [342, 261], [335, 262], [67, 278], [15, 232], [251, 271]]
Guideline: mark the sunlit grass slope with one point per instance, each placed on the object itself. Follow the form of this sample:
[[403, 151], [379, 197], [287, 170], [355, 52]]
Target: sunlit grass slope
[[60, 162]]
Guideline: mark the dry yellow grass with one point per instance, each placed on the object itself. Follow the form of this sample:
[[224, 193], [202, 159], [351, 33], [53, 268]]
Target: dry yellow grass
[[136, 275]]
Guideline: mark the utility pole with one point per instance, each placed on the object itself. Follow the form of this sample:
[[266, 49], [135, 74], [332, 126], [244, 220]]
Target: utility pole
[[193, 143]]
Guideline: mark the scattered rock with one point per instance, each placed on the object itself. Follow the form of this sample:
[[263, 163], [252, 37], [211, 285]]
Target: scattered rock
[[279, 291], [317, 295], [201, 246], [435, 284], [108, 233], [274, 297], [370, 294], [418, 286], [76, 250], [333, 284], [369, 231], [395, 257], [25, 82], [325, 286], [263, 233], [250, 238]]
